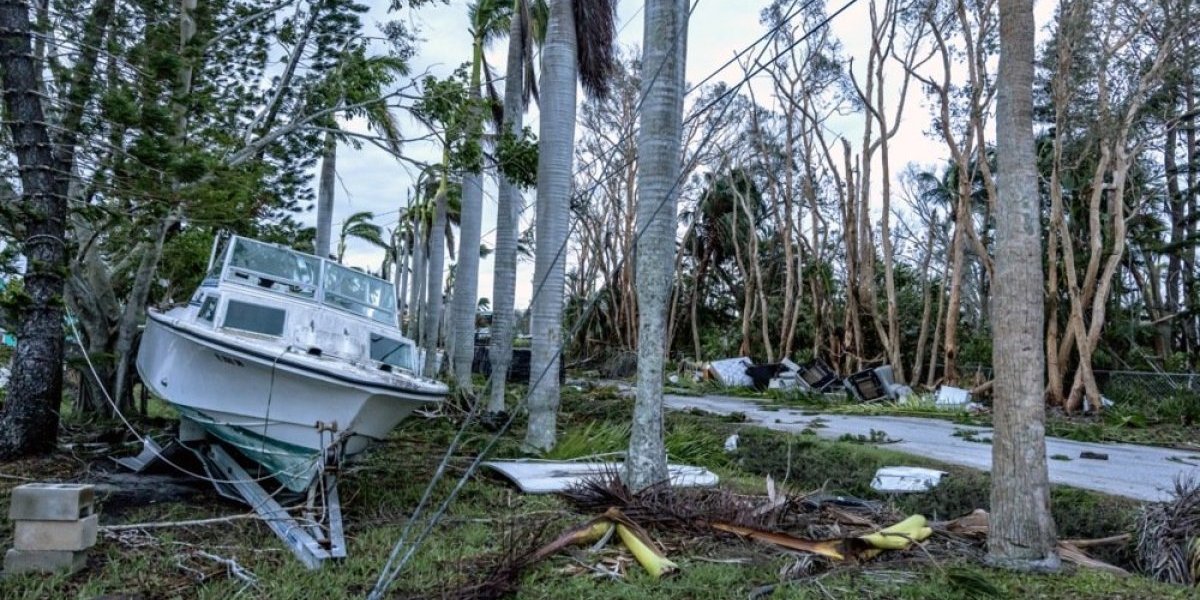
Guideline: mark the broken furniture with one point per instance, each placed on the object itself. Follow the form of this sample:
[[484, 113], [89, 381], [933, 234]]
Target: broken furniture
[[871, 385], [761, 375], [54, 525], [817, 376], [730, 372]]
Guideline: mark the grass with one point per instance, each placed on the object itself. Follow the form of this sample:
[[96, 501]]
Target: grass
[[490, 517]]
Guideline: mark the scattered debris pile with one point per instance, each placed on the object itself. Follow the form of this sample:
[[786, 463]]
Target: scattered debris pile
[[663, 526], [1168, 536]]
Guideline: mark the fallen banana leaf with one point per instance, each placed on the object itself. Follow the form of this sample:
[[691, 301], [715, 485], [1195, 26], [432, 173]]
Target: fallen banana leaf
[[827, 548]]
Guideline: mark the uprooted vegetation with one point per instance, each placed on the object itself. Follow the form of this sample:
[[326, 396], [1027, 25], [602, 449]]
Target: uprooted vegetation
[[492, 528]]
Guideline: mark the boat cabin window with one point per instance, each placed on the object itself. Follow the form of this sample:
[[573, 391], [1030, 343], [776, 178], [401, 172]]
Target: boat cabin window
[[208, 308], [360, 293], [273, 268], [393, 352], [254, 318]]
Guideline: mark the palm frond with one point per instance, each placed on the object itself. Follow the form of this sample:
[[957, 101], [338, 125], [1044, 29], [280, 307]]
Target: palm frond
[[489, 19], [495, 102], [595, 35]]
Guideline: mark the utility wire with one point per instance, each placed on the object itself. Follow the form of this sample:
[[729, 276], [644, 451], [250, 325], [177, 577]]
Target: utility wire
[[393, 569]]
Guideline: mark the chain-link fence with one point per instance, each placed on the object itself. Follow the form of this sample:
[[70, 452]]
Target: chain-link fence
[[1142, 384]]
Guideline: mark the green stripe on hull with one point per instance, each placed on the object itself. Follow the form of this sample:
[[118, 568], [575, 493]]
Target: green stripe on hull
[[294, 466]]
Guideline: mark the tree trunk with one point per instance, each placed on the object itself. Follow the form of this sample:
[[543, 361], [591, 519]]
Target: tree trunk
[[555, 160], [659, 140], [325, 197], [403, 254], [466, 274], [433, 288], [29, 419], [1022, 529], [135, 308], [416, 302], [508, 223], [926, 306]]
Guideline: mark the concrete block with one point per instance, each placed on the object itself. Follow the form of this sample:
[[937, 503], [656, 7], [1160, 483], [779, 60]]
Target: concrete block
[[55, 535], [51, 502], [43, 561]]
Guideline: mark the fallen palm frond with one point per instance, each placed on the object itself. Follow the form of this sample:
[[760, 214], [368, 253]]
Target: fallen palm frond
[[976, 524], [663, 507], [1072, 554], [827, 548], [1166, 536]]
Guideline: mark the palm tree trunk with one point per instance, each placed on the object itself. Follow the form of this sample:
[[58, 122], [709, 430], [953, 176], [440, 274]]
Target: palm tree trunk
[[665, 35], [555, 164], [401, 276], [436, 263], [325, 197], [508, 221], [466, 274], [416, 306], [1022, 529]]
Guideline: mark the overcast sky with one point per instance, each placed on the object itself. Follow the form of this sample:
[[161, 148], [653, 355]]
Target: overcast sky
[[369, 179]]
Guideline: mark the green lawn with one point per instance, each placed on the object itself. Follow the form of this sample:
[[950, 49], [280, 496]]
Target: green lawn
[[490, 518]]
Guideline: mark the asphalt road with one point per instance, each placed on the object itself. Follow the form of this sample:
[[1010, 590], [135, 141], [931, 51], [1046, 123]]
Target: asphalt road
[[1139, 472]]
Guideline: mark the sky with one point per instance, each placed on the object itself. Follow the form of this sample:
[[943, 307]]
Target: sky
[[370, 179]]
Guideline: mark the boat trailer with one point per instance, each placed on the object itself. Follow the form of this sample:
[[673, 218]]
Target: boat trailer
[[316, 536]]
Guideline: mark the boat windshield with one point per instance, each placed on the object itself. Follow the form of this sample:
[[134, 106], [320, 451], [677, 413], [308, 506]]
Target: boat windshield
[[274, 268], [397, 353], [359, 293]]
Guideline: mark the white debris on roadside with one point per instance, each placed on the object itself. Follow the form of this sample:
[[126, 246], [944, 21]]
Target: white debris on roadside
[[902, 480], [731, 372]]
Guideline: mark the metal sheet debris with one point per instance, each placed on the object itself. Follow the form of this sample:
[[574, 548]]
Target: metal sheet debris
[[906, 479], [548, 477]]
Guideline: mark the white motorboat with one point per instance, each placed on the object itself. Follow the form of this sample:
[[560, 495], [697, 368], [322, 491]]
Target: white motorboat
[[286, 357]]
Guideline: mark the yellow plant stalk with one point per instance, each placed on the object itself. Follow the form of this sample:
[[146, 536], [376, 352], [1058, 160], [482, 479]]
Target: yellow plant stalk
[[645, 552], [900, 535], [576, 536]]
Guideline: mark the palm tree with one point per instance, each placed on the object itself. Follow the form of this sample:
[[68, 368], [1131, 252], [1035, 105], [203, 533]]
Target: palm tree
[[527, 25], [359, 225], [354, 81], [579, 45], [665, 38], [489, 20], [1022, 529]]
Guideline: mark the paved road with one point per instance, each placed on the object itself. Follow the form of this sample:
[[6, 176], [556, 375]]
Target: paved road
[[1139, 472]]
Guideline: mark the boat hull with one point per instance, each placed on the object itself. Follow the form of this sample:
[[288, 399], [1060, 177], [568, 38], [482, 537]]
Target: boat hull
[[278, 408]]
